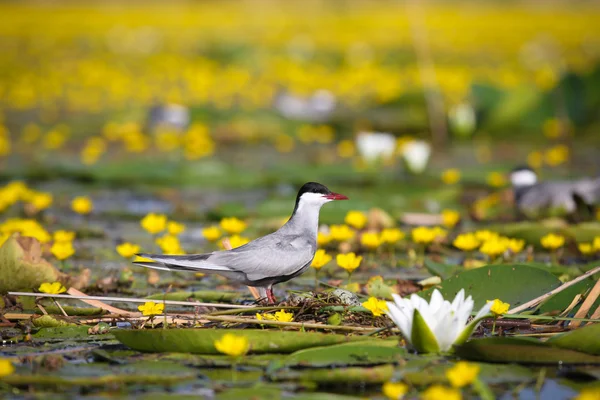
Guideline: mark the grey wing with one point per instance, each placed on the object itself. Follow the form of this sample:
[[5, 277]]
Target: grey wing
[[588, 190], [269, 256]]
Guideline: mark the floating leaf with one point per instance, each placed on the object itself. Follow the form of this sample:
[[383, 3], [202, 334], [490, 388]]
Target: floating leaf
[[200, 341], [370, 352], [521, 350], [50, 321], [585, 339], [371, 375], [561, 300], [513, 283], [444, 271]]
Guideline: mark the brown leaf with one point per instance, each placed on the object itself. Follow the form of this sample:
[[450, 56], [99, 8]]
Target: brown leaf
[[405, 287], [22, 265]]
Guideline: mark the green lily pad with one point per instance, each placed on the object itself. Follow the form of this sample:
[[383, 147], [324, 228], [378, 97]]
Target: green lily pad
[[444, 271], [512, 283], [425, 371], [370, 352], [521, 350], [370, 375], [561, 300], [585, 339], [201, 341]]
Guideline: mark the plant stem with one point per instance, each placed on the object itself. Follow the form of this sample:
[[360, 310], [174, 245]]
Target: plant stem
[[494, 326]]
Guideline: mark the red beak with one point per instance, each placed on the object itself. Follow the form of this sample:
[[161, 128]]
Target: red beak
[[335, 196]]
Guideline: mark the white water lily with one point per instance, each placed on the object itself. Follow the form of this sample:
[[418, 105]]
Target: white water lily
[[438, 325], [416, 155]]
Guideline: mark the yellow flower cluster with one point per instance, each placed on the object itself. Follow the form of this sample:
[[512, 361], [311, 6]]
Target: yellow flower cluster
[[320, 260], [426, 235], [590, 248], [281, 316], [17, 191], [25, 227], [373, 240]]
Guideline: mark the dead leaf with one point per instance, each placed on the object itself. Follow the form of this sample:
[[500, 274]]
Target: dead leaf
[[405, 287], [22, 265], [153, 277]]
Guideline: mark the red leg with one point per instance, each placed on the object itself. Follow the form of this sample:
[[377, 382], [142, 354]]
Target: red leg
[[270, 297]]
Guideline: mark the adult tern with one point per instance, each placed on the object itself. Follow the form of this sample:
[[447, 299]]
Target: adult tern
[[268, 260]]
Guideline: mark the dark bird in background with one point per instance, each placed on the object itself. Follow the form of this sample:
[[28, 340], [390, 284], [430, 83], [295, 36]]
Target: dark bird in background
[[533, 198]]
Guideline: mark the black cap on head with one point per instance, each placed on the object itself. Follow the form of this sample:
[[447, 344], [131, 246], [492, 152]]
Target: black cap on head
[[313, 187], [521, 168], [310, 187]]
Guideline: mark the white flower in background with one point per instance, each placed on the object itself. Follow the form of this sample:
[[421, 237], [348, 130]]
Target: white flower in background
[[416, 155], [463, 119], [438, 325], [375, 146]]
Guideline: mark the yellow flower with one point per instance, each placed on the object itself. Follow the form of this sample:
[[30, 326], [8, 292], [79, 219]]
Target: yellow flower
[[175, 228], [496, 179], [370, 240], [552, 241], [348, 261], [127, 249], [451, 176], [323, 239], [450, 218], [151, 308], [462, 374], [346, 149], [394, 390], [423, 235], [321, 259], [266, 317], [439, 392], [233, 226], [586, 248], [596, 243], [169, 244], [341, 233], [62, 250], [52, 288], [6, 368], [356, 219], [232, 345], [557, 155], [499, 307], [64, 236], [591, 393], [493, 247], [515, 245], [211, 233], [485, 235], [377, 307], [284, 316], [535, 159], [41, 201], [236, 241], [82, 205], [466, 242], [154, 223], [391, 235]]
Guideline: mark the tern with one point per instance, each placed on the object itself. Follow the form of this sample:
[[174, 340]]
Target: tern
[[532, 197], [268, 260]]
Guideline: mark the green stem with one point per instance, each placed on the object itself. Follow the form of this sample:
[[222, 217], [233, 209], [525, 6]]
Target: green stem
[[349, 278], [494, 326], [316, 279]]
